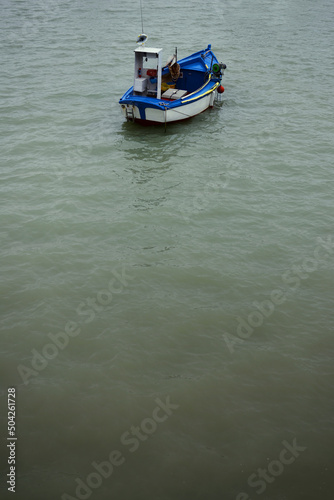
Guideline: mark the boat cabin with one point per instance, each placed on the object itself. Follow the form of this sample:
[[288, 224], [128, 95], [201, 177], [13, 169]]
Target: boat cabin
[[148, 72], [153, 80]]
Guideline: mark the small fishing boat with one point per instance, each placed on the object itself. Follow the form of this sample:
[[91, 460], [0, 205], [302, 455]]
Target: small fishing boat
[[174, 92]]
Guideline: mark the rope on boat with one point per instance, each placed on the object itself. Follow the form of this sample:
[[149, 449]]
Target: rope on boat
[[174, 70], [165, 117], [180, 112]]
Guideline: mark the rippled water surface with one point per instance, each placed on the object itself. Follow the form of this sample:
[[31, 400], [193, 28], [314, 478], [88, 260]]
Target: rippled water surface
[[167, 296]]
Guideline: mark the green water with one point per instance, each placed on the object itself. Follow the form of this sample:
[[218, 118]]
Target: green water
[[167, 296]]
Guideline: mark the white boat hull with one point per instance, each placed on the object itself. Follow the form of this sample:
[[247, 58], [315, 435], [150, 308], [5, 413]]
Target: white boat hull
[[182, 112]]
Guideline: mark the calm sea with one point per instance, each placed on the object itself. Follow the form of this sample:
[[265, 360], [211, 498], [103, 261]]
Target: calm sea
[[167, 296]]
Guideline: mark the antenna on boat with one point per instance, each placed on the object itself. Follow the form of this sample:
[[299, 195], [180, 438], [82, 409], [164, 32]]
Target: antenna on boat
[[141, 15], [142, 38]]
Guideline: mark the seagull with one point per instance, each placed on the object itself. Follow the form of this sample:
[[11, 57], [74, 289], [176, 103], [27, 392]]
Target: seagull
[[142, 38]]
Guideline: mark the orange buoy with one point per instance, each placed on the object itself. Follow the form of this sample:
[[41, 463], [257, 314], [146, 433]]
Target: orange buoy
[[220, 89]]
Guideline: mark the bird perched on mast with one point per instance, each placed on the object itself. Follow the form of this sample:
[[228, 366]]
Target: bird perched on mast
[[142, 39]]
